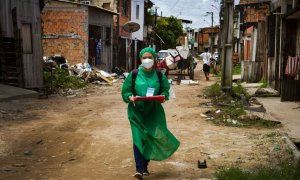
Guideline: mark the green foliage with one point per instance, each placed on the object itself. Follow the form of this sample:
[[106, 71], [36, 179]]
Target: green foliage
[[264, 83], [231, 108], [236, 69], [169, 29], [237, 91], [62, 80], [285, 170], [213, 90]]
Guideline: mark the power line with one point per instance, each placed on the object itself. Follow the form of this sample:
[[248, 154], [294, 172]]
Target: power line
[[173, 6]]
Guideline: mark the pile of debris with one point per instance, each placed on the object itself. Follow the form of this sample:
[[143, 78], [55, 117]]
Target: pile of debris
[[84, 70], [94, 75]]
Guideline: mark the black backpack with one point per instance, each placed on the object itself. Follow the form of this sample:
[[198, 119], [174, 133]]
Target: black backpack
[[135, 74]]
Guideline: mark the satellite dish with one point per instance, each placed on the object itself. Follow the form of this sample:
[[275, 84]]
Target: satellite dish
[[131, 27]]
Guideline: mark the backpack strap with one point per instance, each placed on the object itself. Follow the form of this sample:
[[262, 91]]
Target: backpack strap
[[135, 74]]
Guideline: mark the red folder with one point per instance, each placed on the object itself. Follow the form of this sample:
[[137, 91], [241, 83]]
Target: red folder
[[159, 98]]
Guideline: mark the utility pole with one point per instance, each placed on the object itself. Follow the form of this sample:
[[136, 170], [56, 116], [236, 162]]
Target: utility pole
[[154, 37], [227, 35], [212, 27]]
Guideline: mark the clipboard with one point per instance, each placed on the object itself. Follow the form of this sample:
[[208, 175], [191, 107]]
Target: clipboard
[[159, 98]]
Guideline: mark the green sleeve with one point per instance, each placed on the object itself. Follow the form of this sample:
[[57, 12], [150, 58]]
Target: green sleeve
[[165, 86], [127, 88]]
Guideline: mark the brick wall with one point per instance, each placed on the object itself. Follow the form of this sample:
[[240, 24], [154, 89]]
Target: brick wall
[[203, 37], [257, 14], [65, 34]]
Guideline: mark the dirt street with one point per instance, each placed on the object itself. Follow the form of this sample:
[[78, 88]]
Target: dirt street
[[89, 137]]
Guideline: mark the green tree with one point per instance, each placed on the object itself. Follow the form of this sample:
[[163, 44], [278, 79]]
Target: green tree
[[169, 29]]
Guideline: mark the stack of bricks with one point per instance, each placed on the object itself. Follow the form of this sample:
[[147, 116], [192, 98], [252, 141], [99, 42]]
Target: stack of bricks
[[69, 31]]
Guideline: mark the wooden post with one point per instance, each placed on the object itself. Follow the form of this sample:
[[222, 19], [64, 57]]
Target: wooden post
[[226, 81]]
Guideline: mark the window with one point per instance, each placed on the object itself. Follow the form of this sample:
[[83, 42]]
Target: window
[[124, 8], [26, 38], [137, 11], [106, 5]]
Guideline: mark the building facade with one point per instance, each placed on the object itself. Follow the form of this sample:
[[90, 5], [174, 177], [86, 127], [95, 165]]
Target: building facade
[[20, 43], [79, 32]]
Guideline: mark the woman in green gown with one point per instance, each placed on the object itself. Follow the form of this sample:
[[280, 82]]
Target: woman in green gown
[[151, 138]]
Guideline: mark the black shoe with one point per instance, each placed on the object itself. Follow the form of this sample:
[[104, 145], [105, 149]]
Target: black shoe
[[138, 175], [146, 173]]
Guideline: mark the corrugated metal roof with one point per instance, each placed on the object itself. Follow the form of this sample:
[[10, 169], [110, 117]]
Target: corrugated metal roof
[[89, 5]]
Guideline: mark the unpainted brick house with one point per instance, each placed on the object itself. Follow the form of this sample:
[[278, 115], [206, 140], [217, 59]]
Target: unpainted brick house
[[70, 30], [204, 38]]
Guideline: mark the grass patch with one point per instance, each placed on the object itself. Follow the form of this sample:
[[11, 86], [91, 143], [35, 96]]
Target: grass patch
[[286, 171], [236, 69], [229, 109], [62, 80], [213, 90], [264, 83]]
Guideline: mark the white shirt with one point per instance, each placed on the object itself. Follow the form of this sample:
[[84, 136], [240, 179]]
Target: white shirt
[[206, 56]]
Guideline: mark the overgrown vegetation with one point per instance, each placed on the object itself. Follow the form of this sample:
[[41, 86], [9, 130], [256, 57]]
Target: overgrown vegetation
[[229, 108], [62, 80], [215, 90], [285, 171], [236, 69], [264, 83]]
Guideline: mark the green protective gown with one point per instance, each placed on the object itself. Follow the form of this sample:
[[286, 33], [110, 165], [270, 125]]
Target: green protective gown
[[147, 118]]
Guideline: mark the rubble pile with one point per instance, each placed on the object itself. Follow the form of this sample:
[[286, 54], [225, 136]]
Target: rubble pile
[[84, 71], [94, 75]]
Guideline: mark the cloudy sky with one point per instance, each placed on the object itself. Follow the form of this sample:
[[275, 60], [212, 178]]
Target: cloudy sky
[[194, 10]]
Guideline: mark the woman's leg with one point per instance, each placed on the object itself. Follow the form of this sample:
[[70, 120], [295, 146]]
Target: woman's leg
[[139, 159], [140, 162]]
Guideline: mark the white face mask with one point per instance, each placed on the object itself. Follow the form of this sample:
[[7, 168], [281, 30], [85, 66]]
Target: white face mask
[[147, 63]]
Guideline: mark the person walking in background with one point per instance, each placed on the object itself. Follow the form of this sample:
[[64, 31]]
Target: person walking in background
[[206, 57], [98, 42], [151, 138]]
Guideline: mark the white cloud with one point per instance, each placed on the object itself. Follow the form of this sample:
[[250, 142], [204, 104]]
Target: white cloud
[[194, 10]]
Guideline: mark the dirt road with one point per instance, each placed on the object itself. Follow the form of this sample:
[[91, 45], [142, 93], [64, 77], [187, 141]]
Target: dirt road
[[89, 137]]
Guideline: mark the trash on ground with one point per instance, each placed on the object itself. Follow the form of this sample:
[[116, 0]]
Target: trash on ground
[[189, 82], [202, 164], [203, 115]]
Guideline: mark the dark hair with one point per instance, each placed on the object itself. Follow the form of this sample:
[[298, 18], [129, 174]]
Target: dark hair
[[205, 49]]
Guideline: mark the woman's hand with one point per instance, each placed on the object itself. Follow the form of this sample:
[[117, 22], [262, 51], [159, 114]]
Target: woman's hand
[[131, 98]]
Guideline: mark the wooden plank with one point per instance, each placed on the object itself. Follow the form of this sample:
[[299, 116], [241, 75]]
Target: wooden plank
[[104, 78]]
